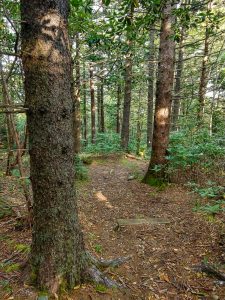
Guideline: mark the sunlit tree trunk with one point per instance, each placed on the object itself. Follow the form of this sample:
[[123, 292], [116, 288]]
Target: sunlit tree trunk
[[164, 87], [57, 249]]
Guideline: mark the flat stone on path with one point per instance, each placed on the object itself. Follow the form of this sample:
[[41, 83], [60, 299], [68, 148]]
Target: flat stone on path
[[146, 221]]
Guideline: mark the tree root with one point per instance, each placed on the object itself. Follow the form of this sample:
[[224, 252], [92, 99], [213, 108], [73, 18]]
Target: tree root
[[96, 265], [210, 270]]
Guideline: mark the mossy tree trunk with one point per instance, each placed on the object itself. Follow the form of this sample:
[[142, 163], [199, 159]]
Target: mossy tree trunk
[[164, 87], [57, 250]]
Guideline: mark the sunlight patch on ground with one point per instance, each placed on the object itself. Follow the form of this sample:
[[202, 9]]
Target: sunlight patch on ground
[[101, 198]]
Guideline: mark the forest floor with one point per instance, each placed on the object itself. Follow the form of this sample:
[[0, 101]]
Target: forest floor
[[163, 256]]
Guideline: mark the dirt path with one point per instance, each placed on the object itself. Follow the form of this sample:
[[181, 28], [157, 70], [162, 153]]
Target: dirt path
[[162, 255]]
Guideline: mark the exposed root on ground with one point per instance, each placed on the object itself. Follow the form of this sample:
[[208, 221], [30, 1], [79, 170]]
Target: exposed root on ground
[[96, 265]]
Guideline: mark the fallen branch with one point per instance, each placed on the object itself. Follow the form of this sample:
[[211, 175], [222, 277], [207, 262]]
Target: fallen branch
[[210, 270]]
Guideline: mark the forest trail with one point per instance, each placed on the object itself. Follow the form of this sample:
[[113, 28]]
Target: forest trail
[[162, 256]]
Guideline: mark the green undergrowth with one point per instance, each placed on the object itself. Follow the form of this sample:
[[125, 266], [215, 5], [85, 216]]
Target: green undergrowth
[[213, 194], [81, 171]]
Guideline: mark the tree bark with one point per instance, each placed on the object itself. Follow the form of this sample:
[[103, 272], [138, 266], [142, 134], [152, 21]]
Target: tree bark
[[125, 131], [203, 78], [177, 88], [127, 100], [85, 107], [92, 91], [77, 115], [151, 75], [102, 119], [164, 87], [57, 251], [118, 104]]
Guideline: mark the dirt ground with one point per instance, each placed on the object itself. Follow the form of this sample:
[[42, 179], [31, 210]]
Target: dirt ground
[[162, 255]]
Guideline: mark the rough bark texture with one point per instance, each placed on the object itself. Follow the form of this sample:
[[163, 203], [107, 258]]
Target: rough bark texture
[[151, 75], [92, 91], [127, 100], [177, 87], [57, 243], [118, 108], [163, 98], [77, 115]]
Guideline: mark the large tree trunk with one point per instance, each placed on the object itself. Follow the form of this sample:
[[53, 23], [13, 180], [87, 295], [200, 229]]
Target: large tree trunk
[[77, 116], [151, 73], [57, 243], [164, 87], [92, 91], [177, 88], [127, 100]]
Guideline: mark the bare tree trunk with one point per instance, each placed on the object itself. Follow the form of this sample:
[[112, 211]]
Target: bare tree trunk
[[77, 116], [85, 106], [177, 88], [125, 131], [99, 106], [92, 91], [139, 126], [164, 87], [118, 104], [127, 101], [57, 252], [203, 78], [102, 119], [151, 75]]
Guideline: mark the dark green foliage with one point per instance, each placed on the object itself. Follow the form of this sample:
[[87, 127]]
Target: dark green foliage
[[189, 147], [81, 172], [105, 143]]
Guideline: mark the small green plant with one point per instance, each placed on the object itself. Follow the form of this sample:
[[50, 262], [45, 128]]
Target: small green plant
[[211, 209], [22, 248], [98, 248], [5, 285], [101, 288], [9, 267]]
